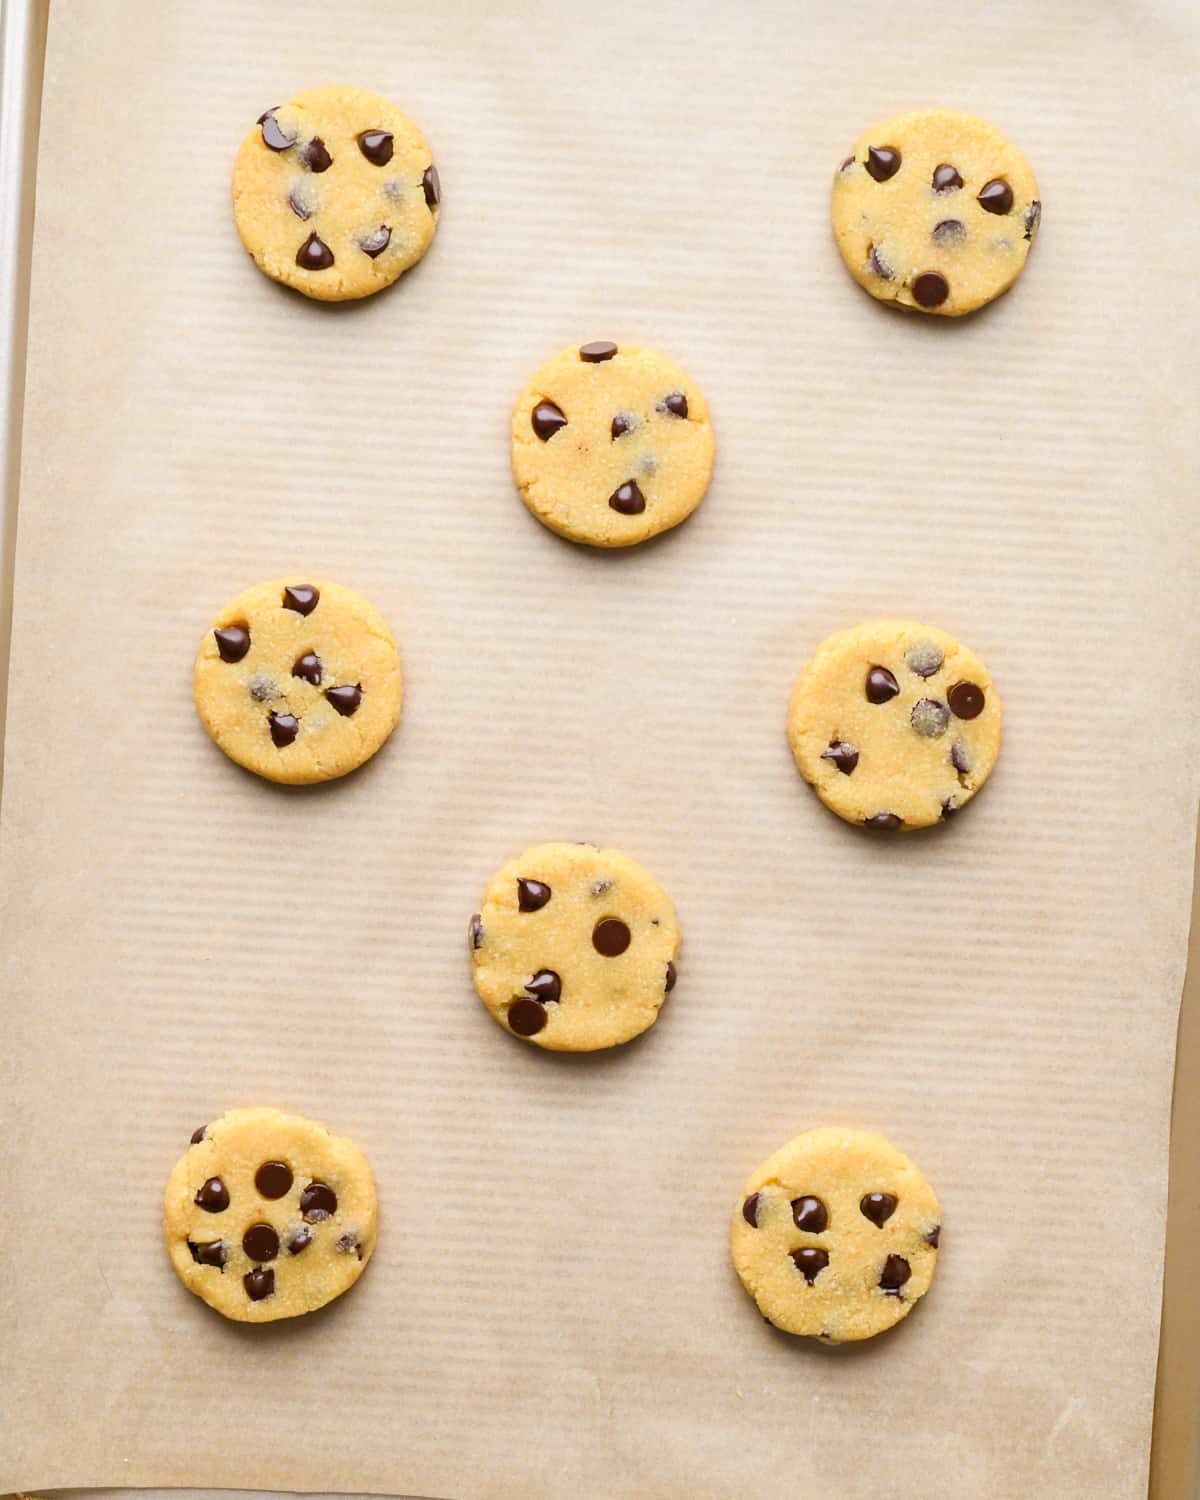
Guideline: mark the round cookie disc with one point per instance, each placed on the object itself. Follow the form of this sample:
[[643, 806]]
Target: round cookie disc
[[574, 947], [835, 1236], [335, 193], [268, 1215], [298, 681], [895, 724], [934, 210], [611, 444]]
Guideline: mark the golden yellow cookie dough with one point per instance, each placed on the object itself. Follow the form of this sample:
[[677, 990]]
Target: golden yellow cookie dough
[[936, 211], [268, 1215], [895, 724], [298, 680], [574, 947], [336, 193], [611, 444], [836, 1235]]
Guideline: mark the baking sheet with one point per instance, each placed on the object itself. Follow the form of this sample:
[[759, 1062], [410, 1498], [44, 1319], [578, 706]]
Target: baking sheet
[[550, 1311]]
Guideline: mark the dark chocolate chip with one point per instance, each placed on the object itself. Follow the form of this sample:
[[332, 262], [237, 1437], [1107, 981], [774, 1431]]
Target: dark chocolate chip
[[308, 667], [750, 1210], [628, 499], [929, 717], [315, 157], [475, 932], [546, 419], [597, 352], [526, 1016], [930, 289], [545, 986], [432, 185], [272, 135], [810, 1214], [212, 1253], [376, 146], [259, 1283], [213, 1196], [945, 178], [301, 1240], [949, 232], [882, 162], [199, 1135], [966, 700], [376, 242], [298, 206], [878, 264], [896, 1271], [844, 756], [273, 1179], [347, 1244], [314, 254], [1033, 217], [810, 1262], [672, 976], [623, 422], [675, 403], [284, 728], [345, 698], [611, 937], [302, 597], [318, 1201], [881, 685], [233, 642], [933, 1236], [260, 1242], [949, 807], [878, 1207], [960, 758], [885, 821], [924, 658], [996, 196], [532, 895]]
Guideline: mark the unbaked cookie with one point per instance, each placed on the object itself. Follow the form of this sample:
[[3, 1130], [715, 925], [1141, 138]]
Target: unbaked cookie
[[836, 1235], [611, 444], [895, 724], [298, 681], [336, 193], [268, 1215], [936, 211], [574, 947]]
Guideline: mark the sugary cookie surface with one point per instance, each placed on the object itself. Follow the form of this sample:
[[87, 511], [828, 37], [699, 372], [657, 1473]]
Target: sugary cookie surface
[[935, 210], [268, 1215], [895, 724], [574, 947], [611, 444], [298, 680], [335, 193], [836, 1235]]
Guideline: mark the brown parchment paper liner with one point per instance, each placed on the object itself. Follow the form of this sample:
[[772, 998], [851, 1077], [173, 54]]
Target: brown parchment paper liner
[[551, 1311]]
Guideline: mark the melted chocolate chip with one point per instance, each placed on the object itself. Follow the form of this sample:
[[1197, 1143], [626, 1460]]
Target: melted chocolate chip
[[347, 1244], [810, 1262], [314, 254], [376, 242], [526, 1016], [262, 688], [199, 1135], [298, 205], [924, 658], [532, 895], [233, 642], [475, 932], [545, 986], [750, 1210], [960, 758], [302, 597], [878, 264], [949, 232], [273, 1179], [1033, 217], [628, 499], [929, 718], [284, 728], [930, 289], [432, 185], [996, 196], [611, 937], [301, 1240], [272, 135], [212, 1253], [308, 668], [213, 1196], [260, 1242], [949, 807], [878, 1207], [810, 1214], [675, 403], [597, 352], [546, 419], [672, 976], [966, 700], [882, 162], [881, 685], [934, 1235], [945, 178], [623, 422], [884, 821], [377, 146], [843, 756], [345, 698], [896, 1271], [318, 1201], [259, 1283], [315, 157]]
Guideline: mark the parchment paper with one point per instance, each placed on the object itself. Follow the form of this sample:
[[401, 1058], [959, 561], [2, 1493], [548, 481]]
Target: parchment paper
[[551, 1311]]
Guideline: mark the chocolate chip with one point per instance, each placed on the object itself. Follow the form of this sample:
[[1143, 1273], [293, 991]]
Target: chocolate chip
[[672, 976], [611, 937], [347, 1243], [298, 205], [376, 146], [628, 499], [810, 1214], [878, 264], [532, 895], [273, 1179], [966, 700], [878, 1207], [376, 242], [882, 162], [929, 717], [623, 422], [810, 1262], [675, 403], [881, 685], [896, 1271], [432, 185], [949, 232], [750, 1210], [960, 757], [884, 821], [996, 196], [260, 1242], [314, 254], [546, 419], [930, 289], [213, 1196], [1033, 217], [946, 178], [843, 756], [302, 597], [259, 1283], [475, 932], [596, 353], [933, 1236], [212, 1253], [545, 986], [272, 135], [949, 807], [199, 1135], [526, 1016], [262, 688], [301, 1240], [924, 658], [308, 668], [315, 157], [284, 728], [318, 1201], [233, 642], [345, 698]]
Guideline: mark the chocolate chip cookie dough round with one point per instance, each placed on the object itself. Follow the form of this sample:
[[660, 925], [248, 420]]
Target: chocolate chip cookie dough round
[[936, 211], [894, 724], [298, 681], [336, 193], [574, 947], [611, 444], [268, 1215], [836, 1235]]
